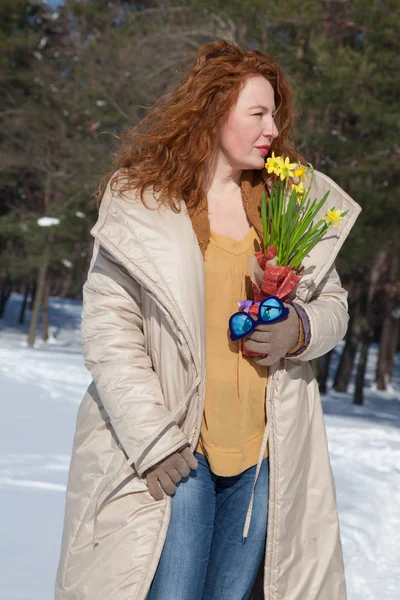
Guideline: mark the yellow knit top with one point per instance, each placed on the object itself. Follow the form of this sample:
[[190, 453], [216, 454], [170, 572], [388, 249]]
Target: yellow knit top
[[234, 416]]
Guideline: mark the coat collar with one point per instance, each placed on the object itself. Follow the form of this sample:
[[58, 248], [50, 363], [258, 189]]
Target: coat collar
[[318, 262], [159, 249]]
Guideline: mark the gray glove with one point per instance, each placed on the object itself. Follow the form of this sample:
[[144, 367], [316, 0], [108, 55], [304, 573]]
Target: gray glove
[[163, 476], [275, 339]]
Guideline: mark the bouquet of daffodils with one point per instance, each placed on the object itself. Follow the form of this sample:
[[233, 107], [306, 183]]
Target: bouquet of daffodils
[[289, 232]]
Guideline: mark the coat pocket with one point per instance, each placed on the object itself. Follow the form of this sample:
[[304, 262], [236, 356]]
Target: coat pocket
[[122, 483]]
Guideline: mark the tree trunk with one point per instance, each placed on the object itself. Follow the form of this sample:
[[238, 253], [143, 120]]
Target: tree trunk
[[393, 349], [24, 304], [385, 349], [346, 361], [33, 295], [388, 345], [6, 290], [41, 281], [367, 322], [365, 290], [362, 365], [40, 287], [69, 278], [45, 316], [323, 371]]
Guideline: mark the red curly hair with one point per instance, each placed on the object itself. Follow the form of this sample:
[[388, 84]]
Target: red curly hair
[[169, 147]]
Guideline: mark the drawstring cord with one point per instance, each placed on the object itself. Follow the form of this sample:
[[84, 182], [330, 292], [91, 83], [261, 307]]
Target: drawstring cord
[[271, 373], [250, 508]]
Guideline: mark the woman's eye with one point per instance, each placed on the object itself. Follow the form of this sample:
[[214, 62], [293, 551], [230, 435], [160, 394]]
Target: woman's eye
[[260, 114]]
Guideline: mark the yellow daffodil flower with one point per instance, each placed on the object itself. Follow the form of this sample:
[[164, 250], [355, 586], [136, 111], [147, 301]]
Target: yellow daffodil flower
[[300, 172], [333, 218], [286, 169], [274, 164], [299, 190]]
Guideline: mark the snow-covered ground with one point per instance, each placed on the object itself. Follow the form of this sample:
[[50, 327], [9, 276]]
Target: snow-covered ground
[[40, 390]]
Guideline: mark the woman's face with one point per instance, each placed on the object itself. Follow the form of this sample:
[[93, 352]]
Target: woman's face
[[250, 128]]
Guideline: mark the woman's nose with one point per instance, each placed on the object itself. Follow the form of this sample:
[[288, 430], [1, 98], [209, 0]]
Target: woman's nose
[[270, 129]]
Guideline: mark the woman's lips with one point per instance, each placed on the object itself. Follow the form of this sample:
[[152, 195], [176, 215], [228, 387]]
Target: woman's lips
[[263, 149]]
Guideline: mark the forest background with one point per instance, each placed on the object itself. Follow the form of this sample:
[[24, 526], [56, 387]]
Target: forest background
[[75, 74]]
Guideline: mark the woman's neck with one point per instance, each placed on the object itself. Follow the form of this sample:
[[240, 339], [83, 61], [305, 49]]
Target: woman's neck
[[224, 180]]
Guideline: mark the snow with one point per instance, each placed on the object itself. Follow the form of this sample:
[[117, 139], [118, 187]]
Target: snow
[[48, 221], [41, 389]]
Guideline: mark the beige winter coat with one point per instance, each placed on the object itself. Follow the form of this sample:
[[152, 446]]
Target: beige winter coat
[[144, 342]]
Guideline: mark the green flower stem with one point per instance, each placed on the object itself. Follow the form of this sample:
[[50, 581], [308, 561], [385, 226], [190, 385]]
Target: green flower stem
[[264, 221], [288, 223]]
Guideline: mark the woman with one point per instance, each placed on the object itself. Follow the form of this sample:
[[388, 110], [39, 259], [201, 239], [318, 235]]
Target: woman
[[171, 481]]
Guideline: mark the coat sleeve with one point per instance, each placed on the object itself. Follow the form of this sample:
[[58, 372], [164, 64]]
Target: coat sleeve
[[114, 352], [327, 317]]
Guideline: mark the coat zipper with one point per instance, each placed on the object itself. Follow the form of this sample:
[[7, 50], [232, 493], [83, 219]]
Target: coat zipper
[[272, 478]]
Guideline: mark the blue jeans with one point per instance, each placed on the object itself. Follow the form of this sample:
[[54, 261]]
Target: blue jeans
[[204, 556]]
